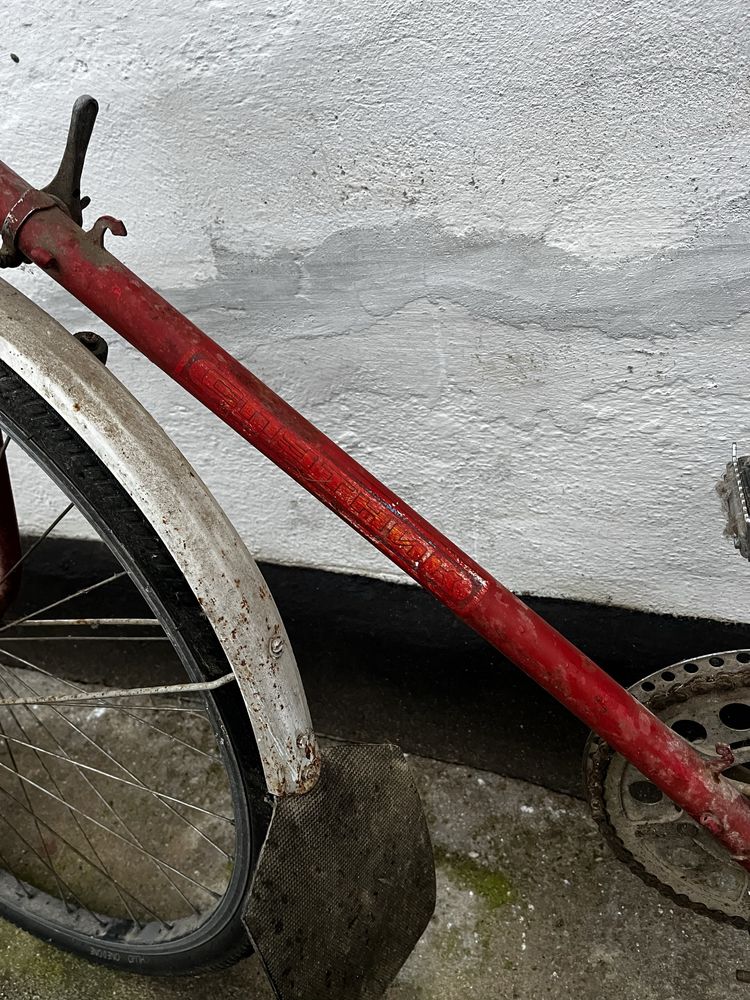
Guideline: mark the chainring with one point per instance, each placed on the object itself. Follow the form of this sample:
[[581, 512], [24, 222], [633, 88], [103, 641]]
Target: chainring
[[707, 701]]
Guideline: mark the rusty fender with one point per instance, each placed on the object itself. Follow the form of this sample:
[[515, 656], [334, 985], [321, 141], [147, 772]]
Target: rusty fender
[[208, 550]]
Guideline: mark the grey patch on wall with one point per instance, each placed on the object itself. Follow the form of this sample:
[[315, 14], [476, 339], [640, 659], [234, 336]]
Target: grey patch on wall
[[357, 276]]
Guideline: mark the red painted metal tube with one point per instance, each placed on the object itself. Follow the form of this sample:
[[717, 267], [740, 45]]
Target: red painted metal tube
[[214, 377]]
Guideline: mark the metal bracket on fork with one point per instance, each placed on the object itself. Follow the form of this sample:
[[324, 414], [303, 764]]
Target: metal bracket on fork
[[124, 692], [63, 191], [31, 201]]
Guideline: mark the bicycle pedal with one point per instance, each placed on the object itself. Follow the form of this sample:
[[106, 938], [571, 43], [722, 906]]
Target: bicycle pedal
[[734, 490]]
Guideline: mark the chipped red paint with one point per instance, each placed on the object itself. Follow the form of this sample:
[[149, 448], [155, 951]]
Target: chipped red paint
[[328, 473], [80, 264]]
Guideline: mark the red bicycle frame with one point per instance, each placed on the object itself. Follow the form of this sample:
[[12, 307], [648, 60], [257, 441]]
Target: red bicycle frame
[[46, 235]]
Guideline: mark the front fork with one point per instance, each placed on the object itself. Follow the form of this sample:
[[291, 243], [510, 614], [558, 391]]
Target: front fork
[[10, 542]]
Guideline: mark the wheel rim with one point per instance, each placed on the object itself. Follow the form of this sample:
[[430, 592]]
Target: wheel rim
[[89, 836]]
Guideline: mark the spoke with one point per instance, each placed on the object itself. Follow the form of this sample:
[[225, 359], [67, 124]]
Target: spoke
[[72, 848], [21, 885], [85, 638], [38, 542], [119, 708], [114, 777], [118, 763], [94, 623], [38, 856], [20, 736], [73, 816], [108, 806], [114, 833], [42, 841], [150, 708], [122, 692], [143, 708], [63, 600]]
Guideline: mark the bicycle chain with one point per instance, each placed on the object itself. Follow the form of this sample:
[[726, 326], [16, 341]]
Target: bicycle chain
[[597, 758]]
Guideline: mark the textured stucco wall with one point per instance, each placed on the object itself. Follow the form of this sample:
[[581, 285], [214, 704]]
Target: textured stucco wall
[[499, 251]]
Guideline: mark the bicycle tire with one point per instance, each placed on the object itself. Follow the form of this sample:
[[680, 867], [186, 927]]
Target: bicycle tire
[[66, 457]]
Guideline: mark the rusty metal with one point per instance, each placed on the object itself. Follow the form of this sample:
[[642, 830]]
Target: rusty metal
[[655, 839], [193, 687], [104, 224], [65, 186], [220, 382], [206, 547], [712, 823], [29, 202], [97, 345], [63, 191], [724, 758], [276, 645]]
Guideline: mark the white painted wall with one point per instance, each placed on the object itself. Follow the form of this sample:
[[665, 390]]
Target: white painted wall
[[499, 251]]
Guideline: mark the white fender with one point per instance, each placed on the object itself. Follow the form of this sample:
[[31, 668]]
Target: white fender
[[213, 558]]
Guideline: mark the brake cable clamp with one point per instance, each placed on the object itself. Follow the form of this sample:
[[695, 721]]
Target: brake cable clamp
[[63, 191]]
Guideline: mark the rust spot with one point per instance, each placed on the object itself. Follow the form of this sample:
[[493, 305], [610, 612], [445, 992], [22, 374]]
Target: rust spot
[[712, 823]]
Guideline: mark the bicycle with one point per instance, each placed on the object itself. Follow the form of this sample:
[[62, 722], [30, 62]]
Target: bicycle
[[299, 852]]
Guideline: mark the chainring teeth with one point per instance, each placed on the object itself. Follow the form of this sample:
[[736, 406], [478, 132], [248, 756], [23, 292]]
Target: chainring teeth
[[608, 777], [669, 681]]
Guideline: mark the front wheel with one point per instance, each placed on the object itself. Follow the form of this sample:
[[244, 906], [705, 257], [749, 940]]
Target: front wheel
[[129, 826]]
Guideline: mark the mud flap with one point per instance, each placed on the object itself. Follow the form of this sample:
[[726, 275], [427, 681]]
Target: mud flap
[[345, 883]]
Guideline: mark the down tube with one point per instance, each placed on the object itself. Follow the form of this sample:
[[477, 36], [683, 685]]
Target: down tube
[[214, 377]]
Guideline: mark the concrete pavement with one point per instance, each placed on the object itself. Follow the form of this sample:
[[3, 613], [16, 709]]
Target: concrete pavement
[[531, 904]]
